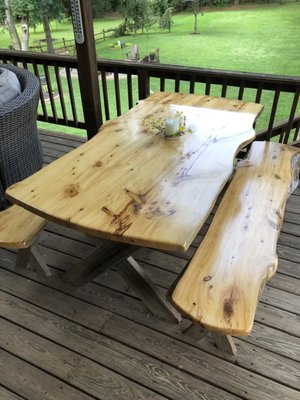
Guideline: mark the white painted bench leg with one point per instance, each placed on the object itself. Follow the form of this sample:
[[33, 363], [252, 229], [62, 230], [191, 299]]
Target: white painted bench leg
[[31, 256], [225, 343]]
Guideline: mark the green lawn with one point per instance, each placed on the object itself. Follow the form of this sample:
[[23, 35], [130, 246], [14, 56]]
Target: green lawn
[[262, 39]]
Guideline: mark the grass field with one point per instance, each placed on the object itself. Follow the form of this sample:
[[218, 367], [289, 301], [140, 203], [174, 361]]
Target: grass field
[[262, 39]]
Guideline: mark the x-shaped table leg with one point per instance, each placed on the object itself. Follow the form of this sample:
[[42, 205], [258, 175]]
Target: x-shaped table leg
[[117, 255]]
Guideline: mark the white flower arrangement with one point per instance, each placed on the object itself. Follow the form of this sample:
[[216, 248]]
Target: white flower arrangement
[[172, 125]]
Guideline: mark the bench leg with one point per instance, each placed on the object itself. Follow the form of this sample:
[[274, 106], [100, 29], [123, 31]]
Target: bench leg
[[225, 343], [23, 258], [31, 256], [196, 331]]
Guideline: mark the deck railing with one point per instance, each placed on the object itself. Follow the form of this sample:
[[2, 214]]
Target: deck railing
[[123, 83]]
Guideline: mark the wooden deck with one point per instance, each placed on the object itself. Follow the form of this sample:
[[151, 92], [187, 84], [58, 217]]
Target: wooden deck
[[99, 342]]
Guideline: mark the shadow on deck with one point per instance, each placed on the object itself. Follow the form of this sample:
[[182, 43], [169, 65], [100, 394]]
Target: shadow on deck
[[99, 342]]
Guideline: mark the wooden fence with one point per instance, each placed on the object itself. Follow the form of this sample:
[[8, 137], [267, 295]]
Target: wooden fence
[[67, 46], [63, 46]]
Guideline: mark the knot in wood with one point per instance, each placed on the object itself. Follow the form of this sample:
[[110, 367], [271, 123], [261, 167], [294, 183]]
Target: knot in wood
[[72, 190], [227, 309], [98, 164]]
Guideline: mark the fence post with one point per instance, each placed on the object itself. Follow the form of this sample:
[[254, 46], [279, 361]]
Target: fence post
[[103, 34], [143, 84], [88, 73]]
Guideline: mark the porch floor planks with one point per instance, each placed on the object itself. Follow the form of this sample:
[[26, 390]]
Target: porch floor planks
[[6, 394], [33, 383], [99, 342]]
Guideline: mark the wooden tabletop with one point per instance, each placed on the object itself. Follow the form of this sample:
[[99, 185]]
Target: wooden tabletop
[[130, 185]]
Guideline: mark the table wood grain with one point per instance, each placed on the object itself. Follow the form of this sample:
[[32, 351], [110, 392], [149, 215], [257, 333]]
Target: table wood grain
[[129, 185]]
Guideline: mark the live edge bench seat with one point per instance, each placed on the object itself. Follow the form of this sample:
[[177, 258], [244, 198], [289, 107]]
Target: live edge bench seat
[[19, 229], [220, 288]]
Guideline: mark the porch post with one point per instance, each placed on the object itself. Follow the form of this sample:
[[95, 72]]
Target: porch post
[[87, 66]]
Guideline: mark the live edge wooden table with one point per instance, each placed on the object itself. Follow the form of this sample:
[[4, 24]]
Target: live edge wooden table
[[132, 187]]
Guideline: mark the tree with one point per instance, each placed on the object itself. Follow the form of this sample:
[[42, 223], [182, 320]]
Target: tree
[[100, 7], [137, 13], [11, 27], [31, 12], [164, 12], [46, 10], [196, 9], [166, 19]]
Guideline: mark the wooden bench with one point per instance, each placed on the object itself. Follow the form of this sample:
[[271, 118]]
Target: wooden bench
[[20, 229], [220, 288]]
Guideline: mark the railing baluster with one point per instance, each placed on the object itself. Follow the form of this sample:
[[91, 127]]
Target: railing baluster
[[71, 94], [162, 82], [273, 112], [207, 86], [297, 129], [192, 84], [278, 129], [61, 94], [105, 93], [117, 91], [224, 88], [44, 108], [50, 92], [292, 115], [129, 89], [259, 92], [281, 135], [241, 90], [24, 63], [258, 97], [177, 83]]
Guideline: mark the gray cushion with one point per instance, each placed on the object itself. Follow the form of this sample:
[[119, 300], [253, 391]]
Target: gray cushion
[[10, 86]]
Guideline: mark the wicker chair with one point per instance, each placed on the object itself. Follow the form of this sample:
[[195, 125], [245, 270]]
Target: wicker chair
[[20, 149]]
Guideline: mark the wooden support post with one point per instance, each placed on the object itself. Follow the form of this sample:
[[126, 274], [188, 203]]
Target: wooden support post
[[31, 257], [108, 255], [196, 331], [225, 343], [87, 72], [23, 258]]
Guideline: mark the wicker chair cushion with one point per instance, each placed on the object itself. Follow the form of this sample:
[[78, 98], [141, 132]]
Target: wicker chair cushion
[[20, 149], [10, 86]]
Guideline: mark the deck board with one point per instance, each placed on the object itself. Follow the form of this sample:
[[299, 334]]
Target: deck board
[[99, 342]]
